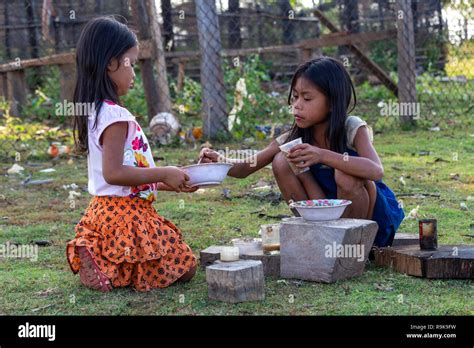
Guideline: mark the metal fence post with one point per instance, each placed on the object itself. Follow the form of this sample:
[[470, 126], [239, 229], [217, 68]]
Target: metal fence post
[[212, 79]]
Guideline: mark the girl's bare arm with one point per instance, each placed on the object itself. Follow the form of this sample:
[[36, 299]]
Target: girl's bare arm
[[242, 169], [115, 173], [367, 165]]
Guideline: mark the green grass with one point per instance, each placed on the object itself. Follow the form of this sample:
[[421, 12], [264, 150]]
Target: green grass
[[48, 287]]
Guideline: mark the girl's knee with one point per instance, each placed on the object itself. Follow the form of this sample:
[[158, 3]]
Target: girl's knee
[[346, 182], [280, 164]]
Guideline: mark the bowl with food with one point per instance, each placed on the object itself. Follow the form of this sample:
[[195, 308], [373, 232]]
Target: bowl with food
[[207, 174], [321, 209]]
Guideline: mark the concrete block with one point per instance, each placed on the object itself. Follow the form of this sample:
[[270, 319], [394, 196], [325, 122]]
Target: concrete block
[[325, 251]]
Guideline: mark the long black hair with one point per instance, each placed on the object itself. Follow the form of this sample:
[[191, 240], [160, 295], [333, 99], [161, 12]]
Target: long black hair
[[102, 39], [329, 76]]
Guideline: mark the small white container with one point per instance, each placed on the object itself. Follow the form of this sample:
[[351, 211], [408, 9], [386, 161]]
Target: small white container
[[270, 237], [247, 245], [286, 149], [229, 253], [321, 209], [207, 174], [288, 146]]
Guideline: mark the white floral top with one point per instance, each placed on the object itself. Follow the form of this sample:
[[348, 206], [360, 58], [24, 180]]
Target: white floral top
[[137, 153]]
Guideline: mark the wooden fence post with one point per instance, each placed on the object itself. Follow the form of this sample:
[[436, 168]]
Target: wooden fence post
[[164, 99], [3, 86], [146, 65], [212, 79], [406, 59], [67, 81], [16, 90]]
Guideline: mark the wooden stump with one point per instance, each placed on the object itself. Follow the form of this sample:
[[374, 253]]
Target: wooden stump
[[237, 281], [403, 239], [209, 255], [271, 263], [325, 251], [449, 261]]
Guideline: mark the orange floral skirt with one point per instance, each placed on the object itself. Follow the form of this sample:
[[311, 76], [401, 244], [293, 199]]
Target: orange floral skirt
[[131, 243]]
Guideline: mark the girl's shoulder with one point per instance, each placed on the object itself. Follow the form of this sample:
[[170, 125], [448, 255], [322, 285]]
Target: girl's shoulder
[[353, 123], [111, 112], [111, 109]]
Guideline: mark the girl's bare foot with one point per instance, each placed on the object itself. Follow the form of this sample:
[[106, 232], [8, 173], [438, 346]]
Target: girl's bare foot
[[90, 273]]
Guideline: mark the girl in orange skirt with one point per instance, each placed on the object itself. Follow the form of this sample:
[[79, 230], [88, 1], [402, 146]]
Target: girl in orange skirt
[[121, 240]]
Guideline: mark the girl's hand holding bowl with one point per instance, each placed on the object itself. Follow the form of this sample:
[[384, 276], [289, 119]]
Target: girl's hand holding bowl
[[176, 179]]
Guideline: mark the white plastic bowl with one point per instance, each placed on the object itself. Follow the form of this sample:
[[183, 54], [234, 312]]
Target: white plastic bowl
[[207, 174], [321, 209]]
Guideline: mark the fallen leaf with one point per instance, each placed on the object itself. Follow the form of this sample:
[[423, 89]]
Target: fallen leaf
[[15, 169], [42, 242], [37, 182], [226, 193], [454, 176], [46, 292], [402, 180], [40, 308], [48, 170], [73, 194], [413, 214], [382, 287]]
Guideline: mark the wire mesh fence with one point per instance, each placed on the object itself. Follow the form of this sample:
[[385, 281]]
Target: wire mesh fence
[[225, 66]]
